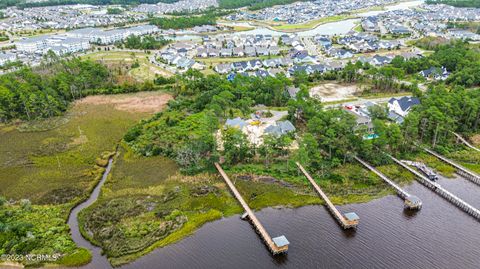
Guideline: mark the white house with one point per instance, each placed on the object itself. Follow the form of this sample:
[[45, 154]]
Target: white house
[[403, 105]]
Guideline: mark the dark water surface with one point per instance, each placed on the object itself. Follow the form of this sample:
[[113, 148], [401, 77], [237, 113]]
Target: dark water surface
[[438, 236], [98, 261]]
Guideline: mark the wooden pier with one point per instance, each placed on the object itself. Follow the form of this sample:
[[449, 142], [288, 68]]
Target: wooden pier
[[464, 141], [277, 245], [411, 201], [462, 171], [350, 220], [441, 191]]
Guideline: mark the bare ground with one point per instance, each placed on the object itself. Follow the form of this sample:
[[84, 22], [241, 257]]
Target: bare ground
[[331, 92], [144, 102]]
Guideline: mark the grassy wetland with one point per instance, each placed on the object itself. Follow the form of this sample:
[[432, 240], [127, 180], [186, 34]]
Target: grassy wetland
[[47, 167], [147, 203]]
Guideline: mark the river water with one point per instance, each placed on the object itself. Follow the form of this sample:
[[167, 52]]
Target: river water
[[332, 28], [440, 235], [98, 261]]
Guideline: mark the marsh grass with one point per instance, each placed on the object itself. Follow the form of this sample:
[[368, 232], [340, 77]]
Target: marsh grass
[[55, 164]]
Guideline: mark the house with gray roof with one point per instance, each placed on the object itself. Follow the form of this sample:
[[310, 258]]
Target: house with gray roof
[[402, 106], [280, 128], [236, 123], [223, 68]]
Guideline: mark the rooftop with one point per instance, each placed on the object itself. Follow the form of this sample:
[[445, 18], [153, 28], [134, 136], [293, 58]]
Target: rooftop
[[352, 216], [281, 241]]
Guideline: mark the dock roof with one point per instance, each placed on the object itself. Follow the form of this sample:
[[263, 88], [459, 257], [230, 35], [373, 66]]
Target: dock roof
[[281, 241], [352, 216]]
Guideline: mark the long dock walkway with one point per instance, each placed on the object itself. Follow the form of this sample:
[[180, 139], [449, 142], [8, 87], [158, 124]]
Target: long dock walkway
[[464, 141], [441, 191], [350, 220], [276, 245], [411, 201], [464, 172]]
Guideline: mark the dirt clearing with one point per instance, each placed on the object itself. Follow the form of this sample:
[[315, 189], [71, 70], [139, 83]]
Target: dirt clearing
[[331, 92], [144, 102]]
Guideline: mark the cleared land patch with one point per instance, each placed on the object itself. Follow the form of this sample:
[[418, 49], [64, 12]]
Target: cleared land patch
[[145, 102], [332, 92]]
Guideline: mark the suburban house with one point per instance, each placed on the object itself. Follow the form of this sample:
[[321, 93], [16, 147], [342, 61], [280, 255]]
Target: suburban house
[[402, 106], [292, 91], [223, 68], [436, 73], [281, 128], [236, 123]]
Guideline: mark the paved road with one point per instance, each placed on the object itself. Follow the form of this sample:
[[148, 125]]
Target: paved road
[[360, 101]]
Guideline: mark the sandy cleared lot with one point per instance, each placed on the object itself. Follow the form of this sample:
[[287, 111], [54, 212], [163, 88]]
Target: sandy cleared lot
[[331, 92], [143, 102]]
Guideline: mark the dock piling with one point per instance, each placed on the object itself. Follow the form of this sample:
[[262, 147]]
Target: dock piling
[[277, 245], [441, 191], [411, 201], [349, 220]]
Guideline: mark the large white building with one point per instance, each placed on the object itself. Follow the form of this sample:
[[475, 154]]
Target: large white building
[[33, 44], [59, 44], [79, 40], [101, 37], [142, 30]]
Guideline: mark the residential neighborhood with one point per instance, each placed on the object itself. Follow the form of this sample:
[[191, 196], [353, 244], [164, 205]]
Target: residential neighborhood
[[203, 133]]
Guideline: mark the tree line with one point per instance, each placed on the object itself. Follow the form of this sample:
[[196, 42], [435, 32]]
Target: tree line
[[184, 21], [456, 3], [30, 94], [143, 43], [30, 4], [253, 4]]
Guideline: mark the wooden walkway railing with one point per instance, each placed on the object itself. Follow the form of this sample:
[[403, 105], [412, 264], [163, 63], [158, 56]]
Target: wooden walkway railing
[[272, 246], [441, 191], [411, 201], [464, 172], [464, 141], [345, 223]]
